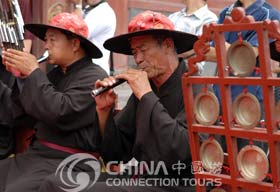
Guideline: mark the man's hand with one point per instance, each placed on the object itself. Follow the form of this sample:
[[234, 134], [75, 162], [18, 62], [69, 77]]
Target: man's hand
[[137, 80], [23, 62], [106, 100]]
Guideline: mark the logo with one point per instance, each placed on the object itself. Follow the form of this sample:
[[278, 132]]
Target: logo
[[216, 168], [75, 181], [197, 167], [179, 166]]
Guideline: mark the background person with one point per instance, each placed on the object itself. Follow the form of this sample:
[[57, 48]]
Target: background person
[[101, 21], [191, 19]]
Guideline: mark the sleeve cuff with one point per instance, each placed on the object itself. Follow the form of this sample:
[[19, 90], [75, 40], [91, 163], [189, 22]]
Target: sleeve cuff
[[149, 99], [147, 103]]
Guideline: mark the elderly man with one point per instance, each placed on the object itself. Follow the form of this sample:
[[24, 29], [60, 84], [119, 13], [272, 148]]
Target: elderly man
[[152, 126], [59, 104]]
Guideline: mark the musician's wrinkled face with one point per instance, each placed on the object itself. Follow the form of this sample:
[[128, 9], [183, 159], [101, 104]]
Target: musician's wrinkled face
[[59, 46], [148, 54]]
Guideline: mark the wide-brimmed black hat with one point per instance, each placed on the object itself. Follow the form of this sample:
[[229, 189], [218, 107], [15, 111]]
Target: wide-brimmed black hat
[[274, 54], [150, 23], [71, 24]]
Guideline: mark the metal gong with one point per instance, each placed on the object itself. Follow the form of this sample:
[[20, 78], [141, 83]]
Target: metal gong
[[206, 108], [241, 58], [247, 110], [211, 154], [252, 163]]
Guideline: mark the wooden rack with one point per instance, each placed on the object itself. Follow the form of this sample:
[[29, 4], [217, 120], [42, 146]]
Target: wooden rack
[[269, 133]]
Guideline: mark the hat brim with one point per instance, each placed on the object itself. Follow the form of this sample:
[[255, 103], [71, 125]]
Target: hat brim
[[120, 44], [274, 54], [39, 30]]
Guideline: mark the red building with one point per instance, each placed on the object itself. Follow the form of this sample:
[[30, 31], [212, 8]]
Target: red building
[[125, 9]]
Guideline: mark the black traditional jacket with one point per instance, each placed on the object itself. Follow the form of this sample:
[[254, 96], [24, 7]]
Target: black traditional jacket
[[61, 106], [152, 129]]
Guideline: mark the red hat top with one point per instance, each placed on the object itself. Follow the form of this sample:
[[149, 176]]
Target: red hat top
[[150, 20]]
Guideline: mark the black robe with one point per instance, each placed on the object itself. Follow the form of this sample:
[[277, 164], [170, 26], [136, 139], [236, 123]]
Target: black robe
[[152, 129], [6, 124], [62, 105], [62, 111]]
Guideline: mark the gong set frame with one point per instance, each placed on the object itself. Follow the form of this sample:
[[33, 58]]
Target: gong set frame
[[267, 132]]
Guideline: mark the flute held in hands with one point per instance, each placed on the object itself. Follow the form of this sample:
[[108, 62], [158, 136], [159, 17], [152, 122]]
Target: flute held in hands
[[98, 91]]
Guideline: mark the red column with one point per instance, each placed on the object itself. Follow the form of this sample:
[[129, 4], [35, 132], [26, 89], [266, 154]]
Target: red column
[[121, 10]]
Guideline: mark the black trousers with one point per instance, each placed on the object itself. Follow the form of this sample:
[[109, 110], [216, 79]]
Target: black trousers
[[26, 172]]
